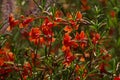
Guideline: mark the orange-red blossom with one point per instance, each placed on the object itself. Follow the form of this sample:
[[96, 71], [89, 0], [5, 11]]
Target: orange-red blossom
[[35, 35], [82, 39]]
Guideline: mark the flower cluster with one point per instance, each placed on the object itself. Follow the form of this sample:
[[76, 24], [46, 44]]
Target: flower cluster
[[58, 46]]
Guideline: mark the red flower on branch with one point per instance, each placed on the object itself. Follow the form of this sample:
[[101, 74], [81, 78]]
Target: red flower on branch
[[68, 29], [58, 16], [95, 38], [69, 57], [35, 35], [12, 22], [82, 39], [46, 29], [27, 70], [25, 22], [117, 78], [68, 42], [78, 15]]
